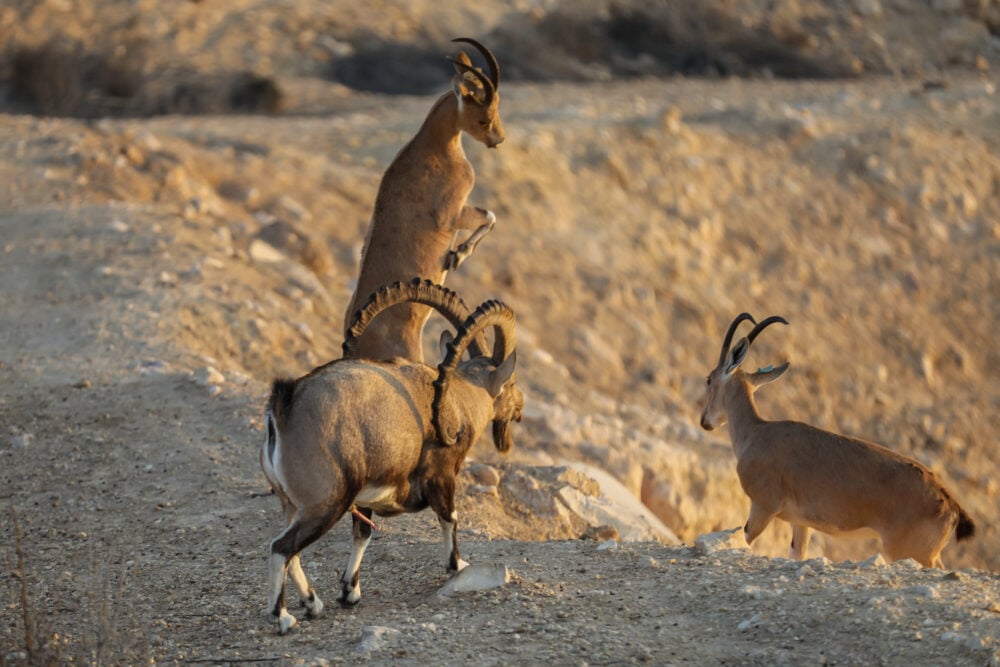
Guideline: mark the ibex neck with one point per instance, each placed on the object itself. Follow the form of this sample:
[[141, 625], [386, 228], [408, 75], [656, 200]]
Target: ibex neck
[[741, 411], [440, 130]]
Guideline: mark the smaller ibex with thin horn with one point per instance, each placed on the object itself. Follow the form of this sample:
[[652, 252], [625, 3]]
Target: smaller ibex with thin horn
[[383, 436], [817, 479], [421, 206]]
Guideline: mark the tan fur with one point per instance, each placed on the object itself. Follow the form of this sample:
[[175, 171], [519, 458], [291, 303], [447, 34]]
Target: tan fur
[[421, 204], [833, 483], [360, 435]]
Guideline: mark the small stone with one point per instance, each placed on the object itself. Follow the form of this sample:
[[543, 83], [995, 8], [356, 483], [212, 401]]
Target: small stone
[[752, 622], [265, 253], [923, 592], [721, 540], [476, 578], [208, 376], [875, 561], [118, 226], [608, 545], [868, 8], [375, 637], [303, 330], [482, 474]]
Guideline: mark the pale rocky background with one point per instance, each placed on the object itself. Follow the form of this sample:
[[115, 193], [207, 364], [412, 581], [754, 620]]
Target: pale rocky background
[[184, 189]]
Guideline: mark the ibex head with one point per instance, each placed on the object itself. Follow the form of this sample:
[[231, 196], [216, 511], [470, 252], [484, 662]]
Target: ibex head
[[495, 374], [727, 369], [478, 99]]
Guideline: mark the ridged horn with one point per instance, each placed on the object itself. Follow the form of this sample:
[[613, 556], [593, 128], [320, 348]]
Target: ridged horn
[[488, 88], [742, 317], [490, 314], [424, 292], [491, 60], [763, 325]]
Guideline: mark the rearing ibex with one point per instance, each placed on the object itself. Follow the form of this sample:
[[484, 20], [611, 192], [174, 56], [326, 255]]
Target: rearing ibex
[[365, 434], [420, 206], [822, 480]]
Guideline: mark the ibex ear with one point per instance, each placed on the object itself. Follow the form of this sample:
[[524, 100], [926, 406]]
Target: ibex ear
[[446, 338], [769, 374], [459, 84], [499, 376], [737, 355]]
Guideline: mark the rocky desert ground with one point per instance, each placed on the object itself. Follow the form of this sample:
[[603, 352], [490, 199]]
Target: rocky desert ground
[[184, 191]]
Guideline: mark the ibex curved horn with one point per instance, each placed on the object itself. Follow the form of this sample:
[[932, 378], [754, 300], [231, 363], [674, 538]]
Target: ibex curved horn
[[729, 334], [763, 325], [491, 60], [490, 314], [443, 300]]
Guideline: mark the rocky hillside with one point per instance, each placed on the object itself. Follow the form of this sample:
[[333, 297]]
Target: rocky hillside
[[664, 170]]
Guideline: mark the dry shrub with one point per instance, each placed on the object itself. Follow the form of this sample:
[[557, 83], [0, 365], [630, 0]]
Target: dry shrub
[[115, 634], [62, 78], [654, 38], [399, 69]]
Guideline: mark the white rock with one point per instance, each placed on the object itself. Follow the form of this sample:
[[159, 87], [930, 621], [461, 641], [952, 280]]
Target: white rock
[[608, 545], [946, 6], [476, 577], [265, 253], [752, 622], [869, 8], [207, 376], [721, 540], [875, 561], [928, 592], [375, 637], [482, 474], [615, 506]]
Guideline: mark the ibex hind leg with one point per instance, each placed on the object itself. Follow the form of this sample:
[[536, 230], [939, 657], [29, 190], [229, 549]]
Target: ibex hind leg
[[307, 596], [922, 542], [800, 542], [307, 527], [757, 521], [350, 580]]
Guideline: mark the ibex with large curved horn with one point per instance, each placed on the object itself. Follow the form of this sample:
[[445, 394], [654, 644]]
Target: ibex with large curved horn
[[421, 205], [816, 479], [361, 434]]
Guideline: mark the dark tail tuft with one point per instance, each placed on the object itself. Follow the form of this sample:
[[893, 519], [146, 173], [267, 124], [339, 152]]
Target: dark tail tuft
[[279, 405], [965, 528]]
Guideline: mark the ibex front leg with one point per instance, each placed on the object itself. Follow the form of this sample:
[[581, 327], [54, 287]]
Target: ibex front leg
[[442, 494], [455, 257]]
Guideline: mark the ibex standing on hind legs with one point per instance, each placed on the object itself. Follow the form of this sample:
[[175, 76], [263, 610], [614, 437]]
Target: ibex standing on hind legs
[[421, 205], [817, 479]]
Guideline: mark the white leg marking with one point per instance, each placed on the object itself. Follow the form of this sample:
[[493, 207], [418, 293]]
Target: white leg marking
[[358, 547], [448, 541], [311, 601], [276, 582]]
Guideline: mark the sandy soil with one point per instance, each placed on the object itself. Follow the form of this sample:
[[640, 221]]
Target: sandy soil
[[143, 319]]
